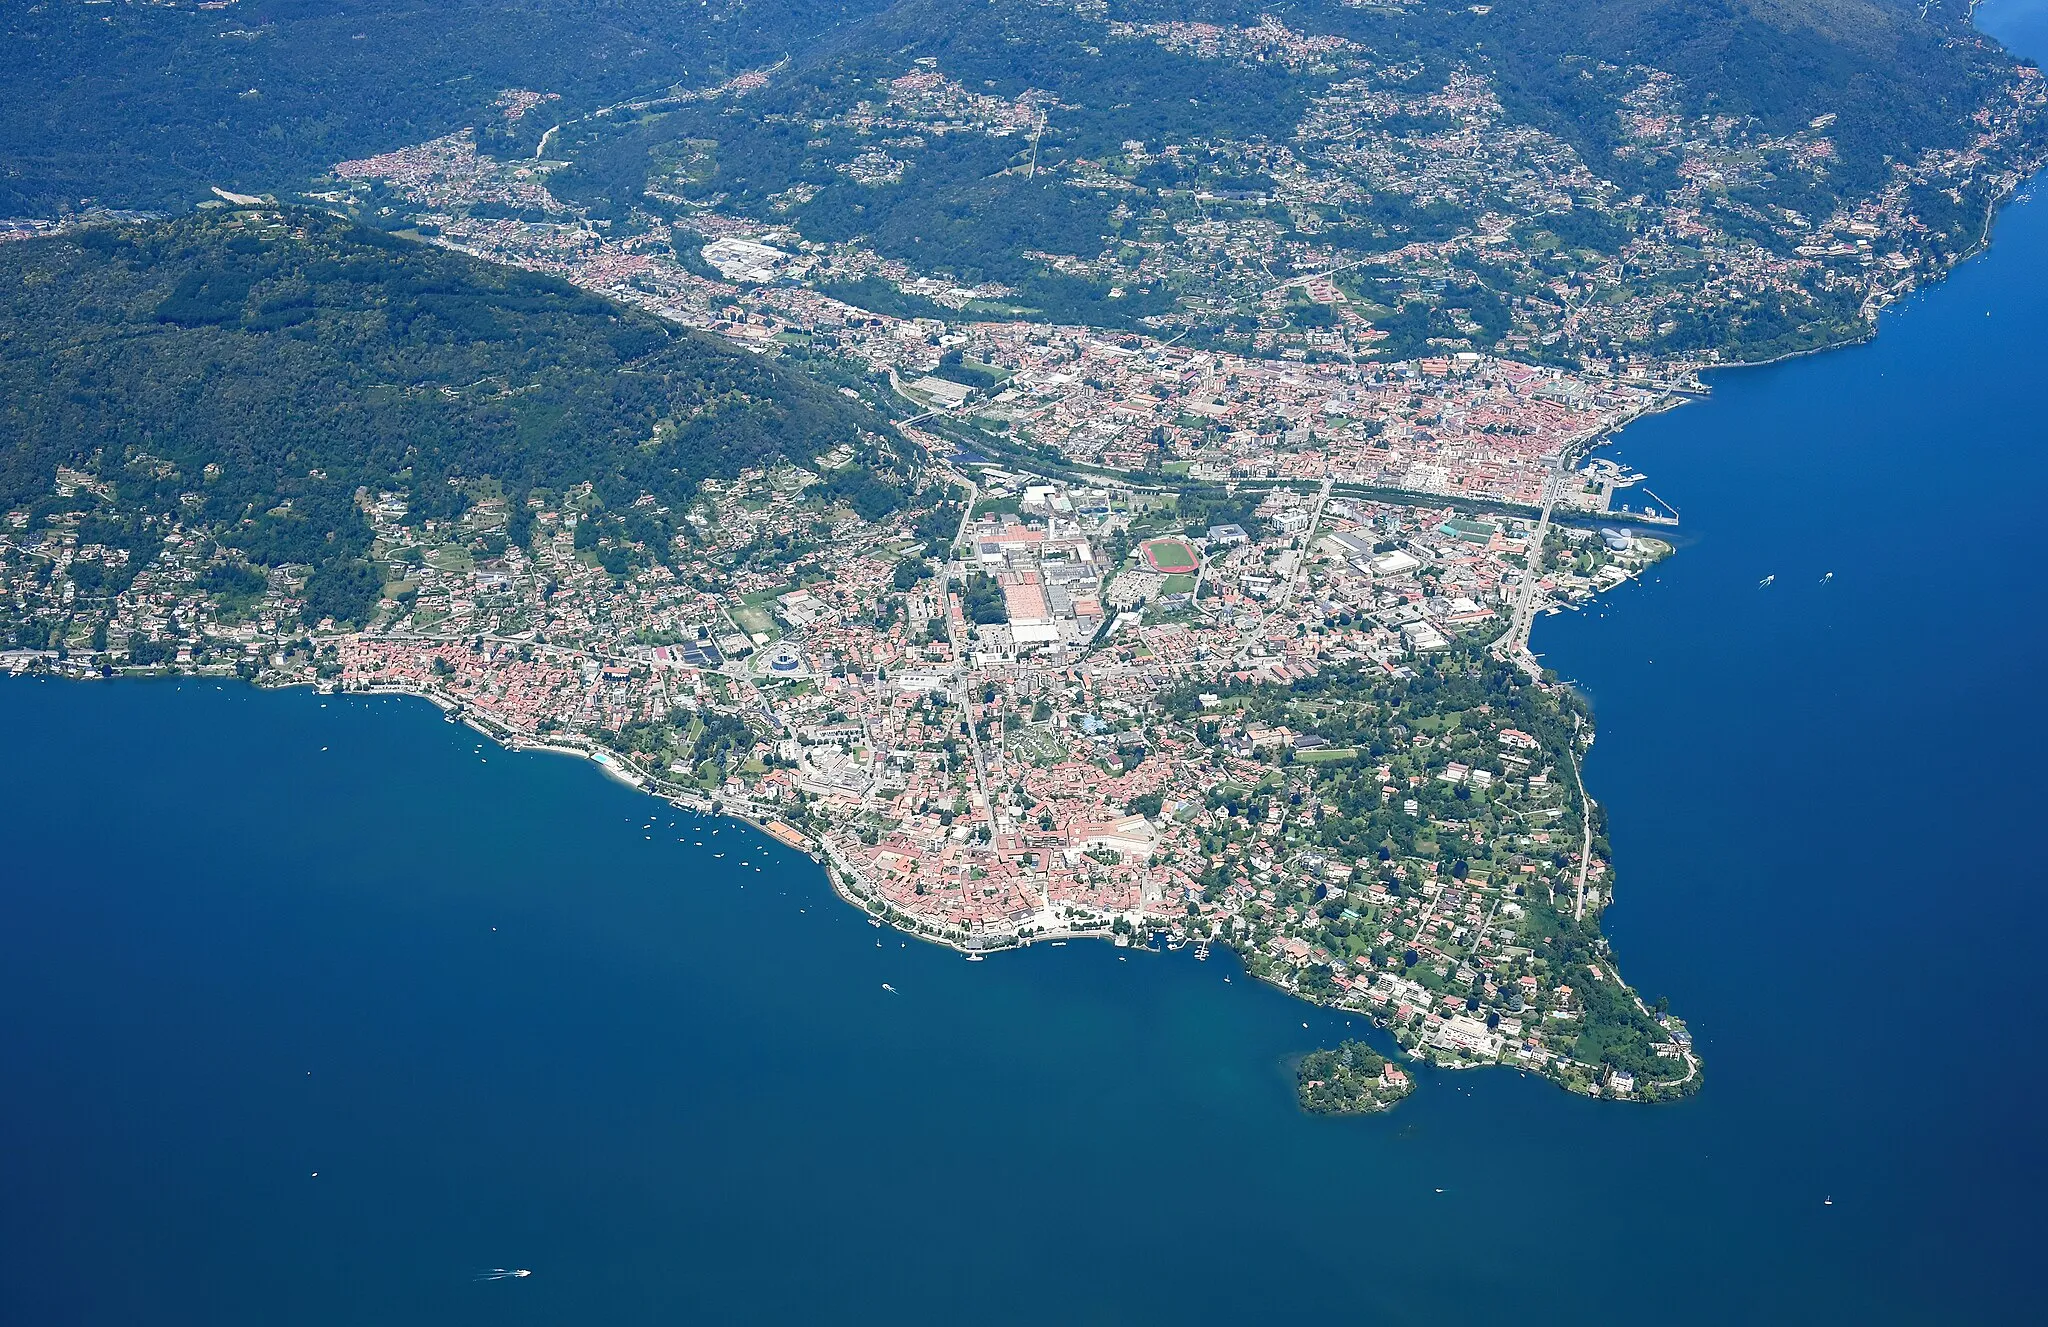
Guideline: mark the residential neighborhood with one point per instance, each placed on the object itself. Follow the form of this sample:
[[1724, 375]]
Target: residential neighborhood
[[1041, 709]]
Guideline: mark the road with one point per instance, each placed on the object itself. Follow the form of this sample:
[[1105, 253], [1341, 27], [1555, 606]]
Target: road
[[1515, 643], [1585, 841], [962, 680], [1286, 595]]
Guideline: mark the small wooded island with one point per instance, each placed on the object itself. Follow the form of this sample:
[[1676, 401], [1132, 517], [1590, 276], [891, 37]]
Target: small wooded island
[[1353, 1079]]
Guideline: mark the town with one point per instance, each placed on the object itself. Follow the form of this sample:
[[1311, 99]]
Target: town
[[1208, 621], [1041, 709]]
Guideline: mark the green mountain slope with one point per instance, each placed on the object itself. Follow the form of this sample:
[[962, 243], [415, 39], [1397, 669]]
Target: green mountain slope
[[254, 374], [1896, 82], [144, 105]]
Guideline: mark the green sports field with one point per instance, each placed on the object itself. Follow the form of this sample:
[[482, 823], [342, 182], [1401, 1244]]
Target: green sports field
[[1170, 556]]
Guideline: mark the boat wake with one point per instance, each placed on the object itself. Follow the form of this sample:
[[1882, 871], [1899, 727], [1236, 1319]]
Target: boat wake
[[503, 1274]]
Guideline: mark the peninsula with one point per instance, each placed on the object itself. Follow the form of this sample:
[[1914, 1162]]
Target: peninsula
[[1160, 567]]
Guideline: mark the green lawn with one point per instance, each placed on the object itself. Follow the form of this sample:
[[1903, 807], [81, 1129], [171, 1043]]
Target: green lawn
[[754, 621]]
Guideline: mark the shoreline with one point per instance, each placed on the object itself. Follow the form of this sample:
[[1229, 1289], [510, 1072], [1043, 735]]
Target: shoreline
[[848, 881], [845, 882], [1875, 305]]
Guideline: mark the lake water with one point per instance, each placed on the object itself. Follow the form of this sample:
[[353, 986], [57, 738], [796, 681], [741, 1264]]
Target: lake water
[[513, 1016]]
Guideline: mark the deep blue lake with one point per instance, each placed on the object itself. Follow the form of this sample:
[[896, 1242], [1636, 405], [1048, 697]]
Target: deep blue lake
[[513, 1016]]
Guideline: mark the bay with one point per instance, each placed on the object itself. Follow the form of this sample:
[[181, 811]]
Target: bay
[[514, 1016]]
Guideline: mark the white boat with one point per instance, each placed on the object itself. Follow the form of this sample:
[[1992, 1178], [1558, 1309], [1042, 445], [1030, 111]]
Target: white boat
[[887, 987]]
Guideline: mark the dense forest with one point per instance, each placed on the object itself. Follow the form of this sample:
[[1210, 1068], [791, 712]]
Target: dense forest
[[146, 105], [250, 371]]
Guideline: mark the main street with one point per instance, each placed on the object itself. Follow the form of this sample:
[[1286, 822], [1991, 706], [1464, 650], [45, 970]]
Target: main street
[[963, 680], [1514, 644], [1280, 601]]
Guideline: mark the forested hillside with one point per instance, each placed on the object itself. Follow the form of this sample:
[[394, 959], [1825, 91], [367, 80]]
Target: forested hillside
[[1082, 159], [249, 372], [1896, 83], [144, 105], [1891, 75], [130, 104], [1552, 179]]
